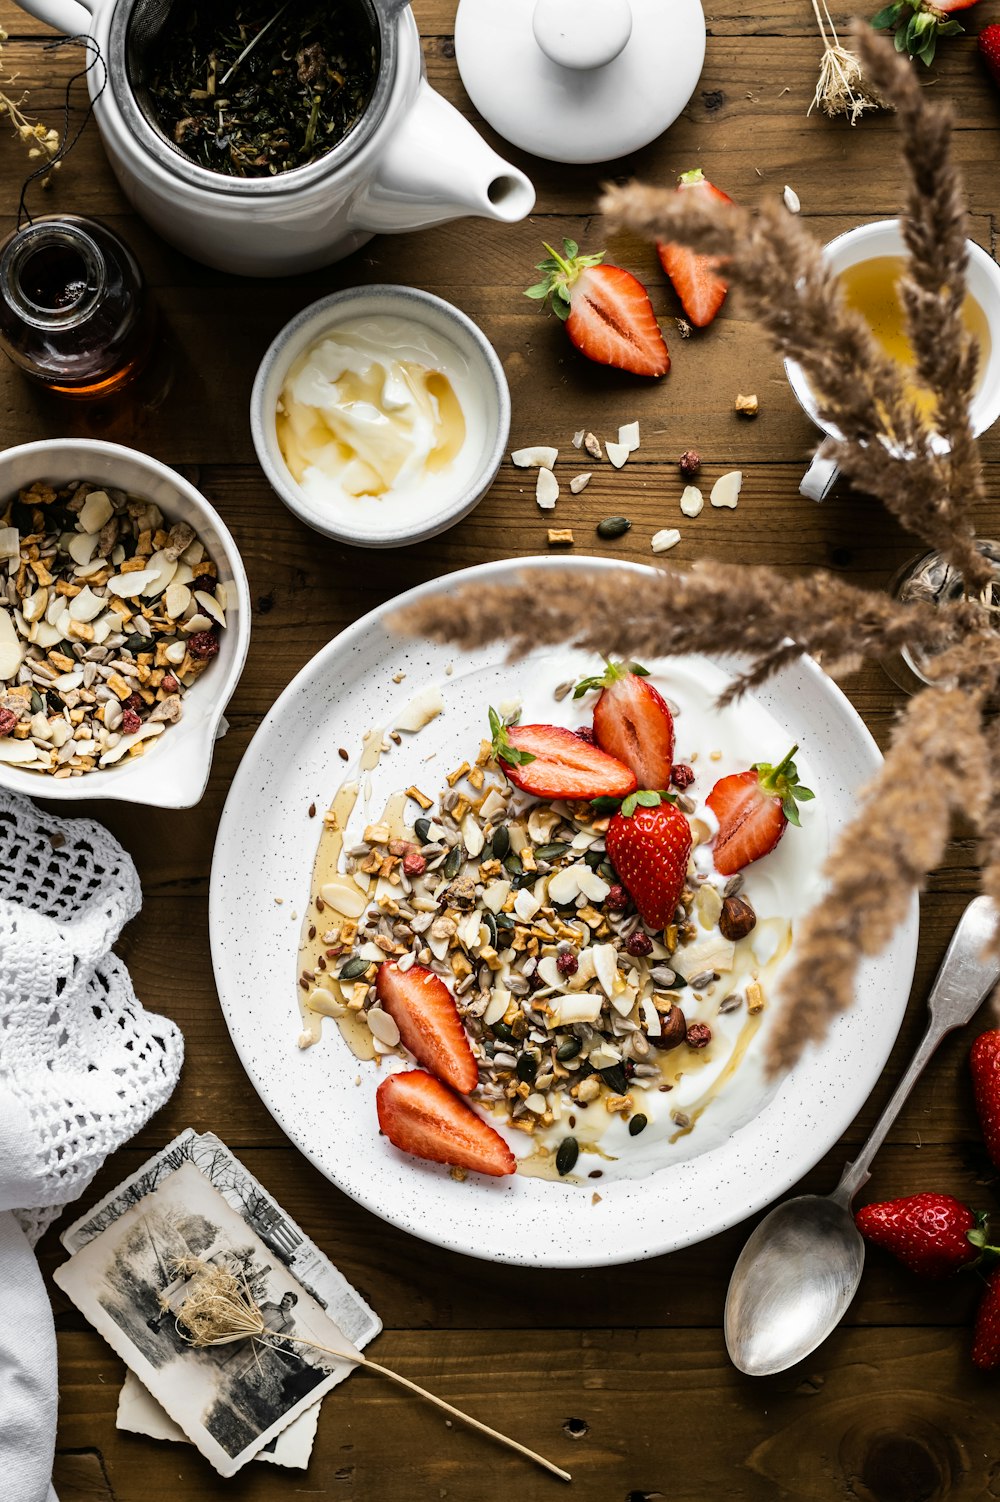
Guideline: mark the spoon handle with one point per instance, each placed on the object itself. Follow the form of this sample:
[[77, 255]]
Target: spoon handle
[[965, 979]]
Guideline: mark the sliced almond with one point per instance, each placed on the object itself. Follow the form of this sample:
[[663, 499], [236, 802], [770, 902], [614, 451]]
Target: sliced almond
[[546, 489], [131, 586], [726, 490], [665, 539], [82, 546], [10, 542], [692, 501], [175, 653], [95, 511], [11, 647], [34, 605], [628, 436], [162, 568], [535, 458], [578, 437], [146, 732], [210, 606], [86, 606], [19, 753], [344, 897], [176, 599], [617, 453]]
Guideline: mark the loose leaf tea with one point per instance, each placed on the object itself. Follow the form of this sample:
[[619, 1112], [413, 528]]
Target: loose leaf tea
[[253, 88]]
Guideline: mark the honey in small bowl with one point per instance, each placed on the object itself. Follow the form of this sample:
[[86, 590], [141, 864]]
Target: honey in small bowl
[[871, 288]]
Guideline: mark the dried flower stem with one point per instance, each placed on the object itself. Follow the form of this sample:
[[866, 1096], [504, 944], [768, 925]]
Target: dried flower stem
[[841, 88], [39, 139], [221, 1310]]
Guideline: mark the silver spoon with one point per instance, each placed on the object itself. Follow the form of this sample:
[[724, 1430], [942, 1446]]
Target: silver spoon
[[801, 1267]]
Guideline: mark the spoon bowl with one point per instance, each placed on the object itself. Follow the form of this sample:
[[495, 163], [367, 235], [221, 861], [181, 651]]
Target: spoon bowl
[[792, 1284]]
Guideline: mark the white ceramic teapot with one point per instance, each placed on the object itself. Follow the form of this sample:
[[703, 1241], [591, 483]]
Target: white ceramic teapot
[[411, 160]]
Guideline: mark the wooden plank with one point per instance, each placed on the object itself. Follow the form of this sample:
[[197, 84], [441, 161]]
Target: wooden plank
[[413, 1285], [899, 1412]]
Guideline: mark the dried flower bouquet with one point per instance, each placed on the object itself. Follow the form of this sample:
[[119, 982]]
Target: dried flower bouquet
[[943, 750]]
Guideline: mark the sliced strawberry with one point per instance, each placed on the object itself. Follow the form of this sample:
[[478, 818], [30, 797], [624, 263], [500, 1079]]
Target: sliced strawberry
[[419, 1115], [607, 311], [648, 843], [424, 1010], [695, 278], [753, 809], [633, 722], [551, 762]]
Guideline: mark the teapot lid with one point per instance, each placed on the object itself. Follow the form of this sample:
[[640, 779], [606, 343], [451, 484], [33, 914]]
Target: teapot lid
[[580, 80]]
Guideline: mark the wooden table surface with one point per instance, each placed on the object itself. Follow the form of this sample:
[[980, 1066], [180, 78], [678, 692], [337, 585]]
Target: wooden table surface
[[889, 1409]]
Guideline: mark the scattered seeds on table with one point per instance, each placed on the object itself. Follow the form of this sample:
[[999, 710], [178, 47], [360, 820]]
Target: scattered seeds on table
[[560, 537], [579, 482], [692, 501], [535, 458], [747, 406], [792, 202], [613, 526], [665, 539], [726, 490], [546, 489]]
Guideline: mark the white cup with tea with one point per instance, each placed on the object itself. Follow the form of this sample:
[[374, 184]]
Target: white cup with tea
[[869, 261]]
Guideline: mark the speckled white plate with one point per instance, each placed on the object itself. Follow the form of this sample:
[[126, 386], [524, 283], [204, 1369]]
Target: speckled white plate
[[265, 851]]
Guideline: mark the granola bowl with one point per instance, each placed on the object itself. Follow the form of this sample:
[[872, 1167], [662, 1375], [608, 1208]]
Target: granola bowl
[[368, 766], [116, 669]]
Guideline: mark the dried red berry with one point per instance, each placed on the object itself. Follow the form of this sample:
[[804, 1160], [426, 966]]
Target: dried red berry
[[414, 864], [585, 734], [169, 684], [567, 964], [681, 775], [203, 644], [534, 980], [134, 701], [690, 463], [8, 719], [130, 722], [639, 943], [617, 899], [699, 1035]]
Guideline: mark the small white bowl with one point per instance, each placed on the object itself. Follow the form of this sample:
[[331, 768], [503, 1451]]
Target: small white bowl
[[174, 772], [440, 317]]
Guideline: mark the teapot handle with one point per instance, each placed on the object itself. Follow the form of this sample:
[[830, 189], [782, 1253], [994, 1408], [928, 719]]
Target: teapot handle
[[71, 17]]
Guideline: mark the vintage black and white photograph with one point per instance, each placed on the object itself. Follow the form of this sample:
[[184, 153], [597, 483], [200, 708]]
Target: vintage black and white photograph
[[134, 1282]]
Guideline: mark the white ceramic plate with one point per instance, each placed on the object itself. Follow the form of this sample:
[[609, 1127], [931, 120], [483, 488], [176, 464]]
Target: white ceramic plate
[[265, 851]]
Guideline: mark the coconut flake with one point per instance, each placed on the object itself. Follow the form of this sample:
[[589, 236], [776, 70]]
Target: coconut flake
[[665, 539], [628, 436], [617, 453], [692, 501], [420, 710], [578, 438], [535, 458], [546, 489], [580, 482], [726, 490]]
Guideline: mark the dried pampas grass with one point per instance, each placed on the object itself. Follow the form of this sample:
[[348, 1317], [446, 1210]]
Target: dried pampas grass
[[943, 758]]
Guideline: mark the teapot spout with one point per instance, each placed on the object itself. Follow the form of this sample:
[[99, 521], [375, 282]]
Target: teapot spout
[[436, 168]]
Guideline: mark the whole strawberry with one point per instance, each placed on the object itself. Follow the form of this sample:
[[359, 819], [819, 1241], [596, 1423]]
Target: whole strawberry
[[984, 1062], [928, 1233], [986, 1331], [648, 843], [989, 50]]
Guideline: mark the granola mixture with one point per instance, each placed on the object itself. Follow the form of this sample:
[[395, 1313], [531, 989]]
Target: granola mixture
[[571, 1003], [108, 613]]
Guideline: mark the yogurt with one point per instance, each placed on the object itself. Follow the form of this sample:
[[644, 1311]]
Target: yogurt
[[380, 414]]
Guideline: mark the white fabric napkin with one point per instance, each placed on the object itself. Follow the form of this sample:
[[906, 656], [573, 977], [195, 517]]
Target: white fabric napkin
[[82, 1068]]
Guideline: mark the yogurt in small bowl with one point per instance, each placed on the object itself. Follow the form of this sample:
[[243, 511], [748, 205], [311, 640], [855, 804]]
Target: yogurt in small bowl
[[380, 415]]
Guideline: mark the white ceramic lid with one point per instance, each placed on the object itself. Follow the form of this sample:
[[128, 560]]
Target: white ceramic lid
[[580, 80]]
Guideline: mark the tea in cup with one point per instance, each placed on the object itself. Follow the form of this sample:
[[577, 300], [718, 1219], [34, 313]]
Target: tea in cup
[[870, 261]]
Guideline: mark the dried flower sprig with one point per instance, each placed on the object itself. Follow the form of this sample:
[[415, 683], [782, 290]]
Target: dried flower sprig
[[943, 757], [220, 1310], [41, 141], [842, 88]]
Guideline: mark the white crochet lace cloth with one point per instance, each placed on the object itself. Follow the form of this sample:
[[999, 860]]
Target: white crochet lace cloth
[[82, 1068]]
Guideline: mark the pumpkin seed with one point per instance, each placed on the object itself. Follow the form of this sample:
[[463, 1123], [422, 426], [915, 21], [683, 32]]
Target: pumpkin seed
[[614, 1078], [569, 1151], [527, 1068], [593, 858], [354, 968], [422, 829], [637, 1124], [512, 865], [569, 1049], [36, 701], [453, 863], [607, 870], [504, 920], [501, 843], [491, 926], [503, 1032], [613, 526], [551, 852], [136, 643]]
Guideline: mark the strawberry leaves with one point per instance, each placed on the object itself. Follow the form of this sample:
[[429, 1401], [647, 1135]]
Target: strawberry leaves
[[916, 27], [611, 674], [783, 781], [561, 271], [643, 798], [503, 750]]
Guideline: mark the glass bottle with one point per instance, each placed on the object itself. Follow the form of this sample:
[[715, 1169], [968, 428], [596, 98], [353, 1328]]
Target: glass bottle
[[74, 316], [936, 582]]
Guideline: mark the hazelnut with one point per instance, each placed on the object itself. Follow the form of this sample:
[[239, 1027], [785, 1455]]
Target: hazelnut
[[690, 464], [673, 1029], [699, 1035], [737, 918]]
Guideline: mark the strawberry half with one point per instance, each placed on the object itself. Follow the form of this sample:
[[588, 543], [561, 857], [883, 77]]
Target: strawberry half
[[606, 310], [931, 1234], [419, 1115], [648, 843], [551, 762], [424, 1010], [989, 50], [917, 24], [754, 809], [984, 1062], [695, 278], [632, 722], [986, 1332]]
